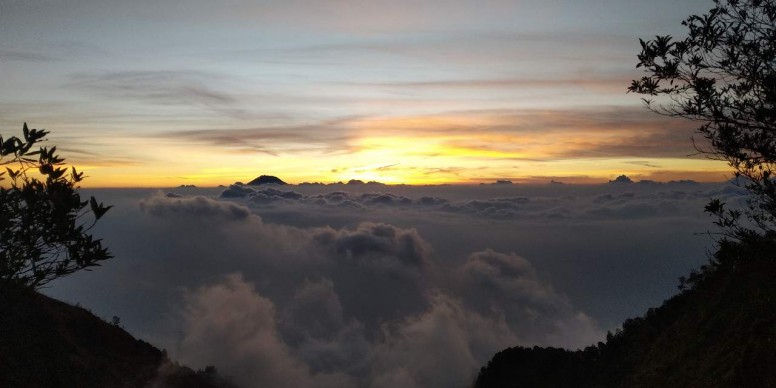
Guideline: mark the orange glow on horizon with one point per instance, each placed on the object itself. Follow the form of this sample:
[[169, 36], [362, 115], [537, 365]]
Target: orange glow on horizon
[[571, 171], [417, 150]]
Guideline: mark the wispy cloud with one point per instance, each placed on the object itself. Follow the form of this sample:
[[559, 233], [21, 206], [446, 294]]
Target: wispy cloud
[[326, 136], [519, 135], [597, 82], [171, 88], [81, 158], [644, 163], [539, 134], [25, 56]]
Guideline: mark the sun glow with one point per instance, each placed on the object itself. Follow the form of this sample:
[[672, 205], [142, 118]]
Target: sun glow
[[414, 150]]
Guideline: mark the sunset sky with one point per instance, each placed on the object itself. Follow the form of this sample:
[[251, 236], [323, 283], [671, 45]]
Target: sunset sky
[[348, 286], [163, 93]]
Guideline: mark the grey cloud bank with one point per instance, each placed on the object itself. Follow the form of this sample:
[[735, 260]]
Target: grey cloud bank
[[367, 285]]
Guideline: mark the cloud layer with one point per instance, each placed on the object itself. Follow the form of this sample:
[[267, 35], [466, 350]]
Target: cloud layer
[[300, 286]]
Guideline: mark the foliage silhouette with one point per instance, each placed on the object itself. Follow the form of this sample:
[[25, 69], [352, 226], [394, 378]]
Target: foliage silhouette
[[718, 332], [48, 343], [723, 76], [44, 225]]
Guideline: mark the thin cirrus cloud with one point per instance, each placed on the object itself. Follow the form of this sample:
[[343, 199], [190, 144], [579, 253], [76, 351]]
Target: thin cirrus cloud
[[593, 142], [25, 56], [481, 145], [153, 88], [609, 84], [328, 136], [545, 134]]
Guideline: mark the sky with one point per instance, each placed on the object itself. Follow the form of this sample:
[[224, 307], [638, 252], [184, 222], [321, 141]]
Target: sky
[[364, 285], [163, 93]]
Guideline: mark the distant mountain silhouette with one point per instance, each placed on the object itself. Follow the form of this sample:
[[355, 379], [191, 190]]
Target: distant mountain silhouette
[[266, 180], [622, 179], [48, 343], [684, 182], [358, 182], [720, 331]]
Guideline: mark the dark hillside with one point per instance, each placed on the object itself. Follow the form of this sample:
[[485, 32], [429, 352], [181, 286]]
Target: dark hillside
[[48, 343], [719, 332]]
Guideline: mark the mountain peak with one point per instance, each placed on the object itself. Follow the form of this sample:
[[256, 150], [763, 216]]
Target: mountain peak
[[266, 180]]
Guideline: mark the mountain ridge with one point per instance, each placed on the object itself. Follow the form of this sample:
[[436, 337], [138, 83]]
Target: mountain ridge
[[720, 331], [267, 180], [49, 343]]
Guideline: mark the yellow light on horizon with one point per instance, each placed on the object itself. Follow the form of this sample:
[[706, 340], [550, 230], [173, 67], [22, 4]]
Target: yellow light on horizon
[[402, 150]]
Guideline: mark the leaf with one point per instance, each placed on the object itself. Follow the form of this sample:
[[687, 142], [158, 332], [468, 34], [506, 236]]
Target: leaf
[[715, 206], [77, 177], [99, 210]]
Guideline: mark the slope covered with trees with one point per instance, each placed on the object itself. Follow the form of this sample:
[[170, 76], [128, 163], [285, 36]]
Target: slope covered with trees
[[48, 343], [44, 235], [720, 331]]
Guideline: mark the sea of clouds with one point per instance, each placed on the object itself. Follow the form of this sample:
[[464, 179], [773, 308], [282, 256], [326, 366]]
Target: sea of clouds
[[387, 286]]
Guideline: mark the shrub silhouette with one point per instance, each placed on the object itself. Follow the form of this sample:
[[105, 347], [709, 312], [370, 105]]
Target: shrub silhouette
[[44, 223], [723, 76], [719, 330]]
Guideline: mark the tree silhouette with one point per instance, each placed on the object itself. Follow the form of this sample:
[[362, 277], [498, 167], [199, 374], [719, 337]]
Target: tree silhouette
[[44, 223], [722, 76]]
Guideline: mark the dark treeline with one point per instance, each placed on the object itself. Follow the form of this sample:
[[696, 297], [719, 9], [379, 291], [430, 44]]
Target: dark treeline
[[48, 343], [720, 331]]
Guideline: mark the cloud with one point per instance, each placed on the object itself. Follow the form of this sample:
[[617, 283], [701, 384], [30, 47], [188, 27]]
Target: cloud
[[229, 324], [465, 49], [507, 286], [648, 200], [315, 323], [323, 306], [162, 206], [435, 348], [305, 290], [162, 88], [329, 136], [25, 56], [528, 135], [644, 163], [588, 82]]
